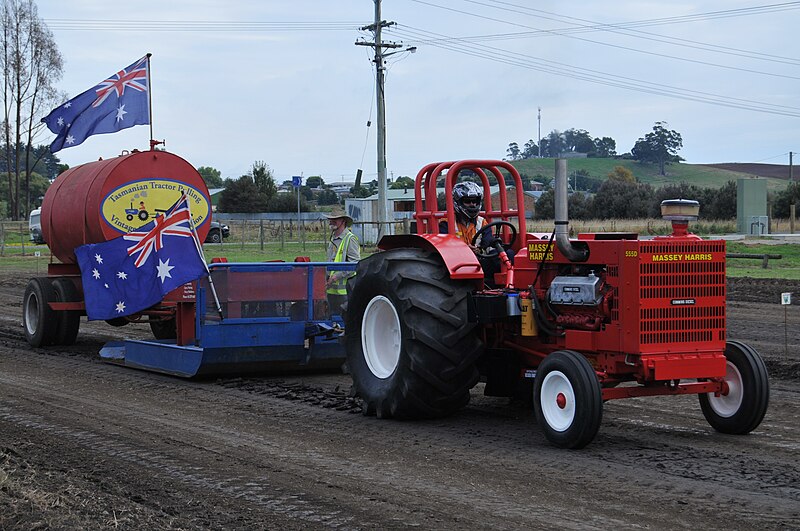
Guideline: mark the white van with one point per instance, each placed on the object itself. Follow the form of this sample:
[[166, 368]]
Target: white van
[[35, 226]]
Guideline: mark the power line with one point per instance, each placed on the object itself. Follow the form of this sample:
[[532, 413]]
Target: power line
[[601, 43], [594, 76], [194, 25]]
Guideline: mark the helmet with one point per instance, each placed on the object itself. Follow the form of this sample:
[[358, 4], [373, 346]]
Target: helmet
[[467, 190]]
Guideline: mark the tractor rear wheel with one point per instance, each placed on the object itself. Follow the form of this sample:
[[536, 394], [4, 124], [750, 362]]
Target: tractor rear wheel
[[567, 399], [38, 319], [743, 408], [69, 321], [410, 348]]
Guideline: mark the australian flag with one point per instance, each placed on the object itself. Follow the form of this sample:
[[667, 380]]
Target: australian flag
[[136, 270], [119, 102]]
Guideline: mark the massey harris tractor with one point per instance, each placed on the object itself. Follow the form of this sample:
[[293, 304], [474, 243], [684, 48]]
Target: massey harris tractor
[[600, 317]]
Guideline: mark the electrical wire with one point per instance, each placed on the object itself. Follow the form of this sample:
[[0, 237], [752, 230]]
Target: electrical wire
[[194, 25], [601, 43], [594, 76]]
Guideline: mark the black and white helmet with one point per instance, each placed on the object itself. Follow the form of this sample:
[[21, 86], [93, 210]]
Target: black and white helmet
[[467, 199]]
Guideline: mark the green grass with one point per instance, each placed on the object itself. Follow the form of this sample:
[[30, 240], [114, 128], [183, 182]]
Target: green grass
[[787, 268], [696, 174]]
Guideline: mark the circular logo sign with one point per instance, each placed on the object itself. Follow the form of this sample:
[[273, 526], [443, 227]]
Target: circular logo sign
[[137, 203]]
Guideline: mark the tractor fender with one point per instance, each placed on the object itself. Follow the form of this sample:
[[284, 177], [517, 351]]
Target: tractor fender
[[457, 255]]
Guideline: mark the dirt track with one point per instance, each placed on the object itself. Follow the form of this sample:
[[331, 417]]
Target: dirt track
[[88, 445]]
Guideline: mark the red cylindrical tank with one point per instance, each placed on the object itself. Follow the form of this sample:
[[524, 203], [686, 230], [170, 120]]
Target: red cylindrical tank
[[101, 200]]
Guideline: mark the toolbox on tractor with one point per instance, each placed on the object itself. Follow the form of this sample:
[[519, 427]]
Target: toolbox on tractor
[[570, 322]]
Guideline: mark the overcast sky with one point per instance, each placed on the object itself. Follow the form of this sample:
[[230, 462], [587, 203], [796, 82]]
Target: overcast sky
[[282, 81]]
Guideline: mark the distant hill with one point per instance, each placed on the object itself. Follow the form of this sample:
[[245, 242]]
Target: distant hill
[[705, 175], [776, 171]]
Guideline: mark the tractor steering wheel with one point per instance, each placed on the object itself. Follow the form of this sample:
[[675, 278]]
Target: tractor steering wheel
[[491, 252]]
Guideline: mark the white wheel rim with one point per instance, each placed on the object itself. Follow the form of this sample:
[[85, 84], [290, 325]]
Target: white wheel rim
[[727, 405], [31, 314], [380, 337], [557, 399]]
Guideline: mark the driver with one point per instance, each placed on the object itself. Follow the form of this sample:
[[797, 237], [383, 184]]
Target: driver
[[467, 201]]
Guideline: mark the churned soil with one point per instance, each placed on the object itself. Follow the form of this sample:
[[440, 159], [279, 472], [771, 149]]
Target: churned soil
[[88, 445]]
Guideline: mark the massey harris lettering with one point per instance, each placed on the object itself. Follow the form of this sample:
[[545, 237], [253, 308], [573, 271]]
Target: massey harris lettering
[[683, 257], [536, 251]]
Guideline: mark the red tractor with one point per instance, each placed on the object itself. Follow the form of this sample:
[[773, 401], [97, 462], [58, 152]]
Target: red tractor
[[578, 321]]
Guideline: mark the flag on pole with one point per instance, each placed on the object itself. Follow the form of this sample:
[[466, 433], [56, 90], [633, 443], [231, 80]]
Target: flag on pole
[[118, 102], [135, 271]]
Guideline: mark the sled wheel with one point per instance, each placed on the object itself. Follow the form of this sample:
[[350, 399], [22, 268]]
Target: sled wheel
[[567, 399], [69, 321], [164, 329], [117, 321], [38, 319], [215, 236], [743, 408], [410, 348]]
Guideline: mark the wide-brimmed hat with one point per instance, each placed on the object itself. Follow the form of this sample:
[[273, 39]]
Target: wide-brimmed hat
[[339, 213]]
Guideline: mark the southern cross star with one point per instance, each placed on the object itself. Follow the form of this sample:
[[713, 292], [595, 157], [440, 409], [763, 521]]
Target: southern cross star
[[163, 270], [123, 275], [98, 258], [96, 274]]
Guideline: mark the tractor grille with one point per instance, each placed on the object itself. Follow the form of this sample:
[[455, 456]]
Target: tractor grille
[[682, 292]]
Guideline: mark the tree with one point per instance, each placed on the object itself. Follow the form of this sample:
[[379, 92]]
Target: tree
[[263, 179], [242, 195], [30, 64], [660, 146], [784, 199], [315, 181], [512, 151], [554, 145], [211, 176], [403, 183], [327, 197], [605, 147], [622, 200], [530, 150], [287, 203], [623, 174], [578, 141]]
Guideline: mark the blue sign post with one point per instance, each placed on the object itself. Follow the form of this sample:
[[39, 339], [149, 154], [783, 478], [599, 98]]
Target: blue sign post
[[297, 181]]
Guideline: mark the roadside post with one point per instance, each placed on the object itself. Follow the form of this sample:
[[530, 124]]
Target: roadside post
[[786, 300], [297, 181]]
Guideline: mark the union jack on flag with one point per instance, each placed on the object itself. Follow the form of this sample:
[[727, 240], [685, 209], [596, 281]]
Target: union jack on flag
[[176, 222], [118, 102], [135, 77], [121, 279]]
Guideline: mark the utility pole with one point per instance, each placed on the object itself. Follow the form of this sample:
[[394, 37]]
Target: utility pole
[[539, 141], [791, 168], [379, 94]]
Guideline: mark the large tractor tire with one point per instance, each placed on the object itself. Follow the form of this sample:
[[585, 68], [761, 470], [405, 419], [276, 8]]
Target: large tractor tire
[[410, 348], [38, 319], [743, 408], [568, 399], [69, 322]]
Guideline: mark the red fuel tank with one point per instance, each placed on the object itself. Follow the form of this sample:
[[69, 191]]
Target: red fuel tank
[[101, 200]]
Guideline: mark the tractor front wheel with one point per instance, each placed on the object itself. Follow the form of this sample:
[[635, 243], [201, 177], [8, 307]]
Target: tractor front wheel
[[567, 399], [410, 349], [742, 409]]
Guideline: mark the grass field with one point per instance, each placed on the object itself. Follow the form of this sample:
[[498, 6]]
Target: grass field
[[788, 267]]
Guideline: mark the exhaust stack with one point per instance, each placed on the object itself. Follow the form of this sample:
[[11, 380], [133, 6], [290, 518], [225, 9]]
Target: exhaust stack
[[567, 248]]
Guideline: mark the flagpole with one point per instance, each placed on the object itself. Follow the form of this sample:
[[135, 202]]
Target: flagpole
[[150, 100], [203, 256]]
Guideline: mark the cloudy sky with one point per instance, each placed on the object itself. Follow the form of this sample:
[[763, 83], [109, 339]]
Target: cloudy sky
[[283, 81]]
